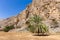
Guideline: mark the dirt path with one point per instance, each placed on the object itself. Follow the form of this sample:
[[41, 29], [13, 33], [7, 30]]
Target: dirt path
[[26, 36]]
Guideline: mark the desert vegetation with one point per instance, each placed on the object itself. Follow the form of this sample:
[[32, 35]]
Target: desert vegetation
[[36, 26], [8, 28]]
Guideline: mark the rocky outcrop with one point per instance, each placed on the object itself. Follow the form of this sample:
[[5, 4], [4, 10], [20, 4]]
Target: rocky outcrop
[[48, 10]]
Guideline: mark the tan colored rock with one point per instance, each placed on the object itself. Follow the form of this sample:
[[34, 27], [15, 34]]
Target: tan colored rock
[[49, 10]]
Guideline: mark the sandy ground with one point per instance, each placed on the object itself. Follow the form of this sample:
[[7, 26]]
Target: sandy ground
[[25, 36]]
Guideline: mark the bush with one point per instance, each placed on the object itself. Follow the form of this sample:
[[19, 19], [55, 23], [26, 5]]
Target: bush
[[31, 28], [42, 29], [36, 25], [8, 28]]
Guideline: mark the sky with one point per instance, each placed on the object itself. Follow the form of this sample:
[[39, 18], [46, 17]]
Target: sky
[[10, 8]]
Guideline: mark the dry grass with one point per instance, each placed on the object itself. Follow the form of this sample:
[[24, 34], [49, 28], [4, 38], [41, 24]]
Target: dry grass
[[25, 36]]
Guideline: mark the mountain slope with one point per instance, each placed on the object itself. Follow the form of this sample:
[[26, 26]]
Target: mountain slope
[[49, 10]]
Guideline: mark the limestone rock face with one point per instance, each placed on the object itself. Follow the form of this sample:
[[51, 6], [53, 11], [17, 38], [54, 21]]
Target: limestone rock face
[[49, 10]]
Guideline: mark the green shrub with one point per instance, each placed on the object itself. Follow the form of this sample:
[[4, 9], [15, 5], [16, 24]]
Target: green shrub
[[8, 28], [42, 28], [36, 25], [31, 28]]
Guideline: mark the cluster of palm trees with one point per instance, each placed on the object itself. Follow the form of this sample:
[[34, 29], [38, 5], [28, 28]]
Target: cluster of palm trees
[[36, 26]]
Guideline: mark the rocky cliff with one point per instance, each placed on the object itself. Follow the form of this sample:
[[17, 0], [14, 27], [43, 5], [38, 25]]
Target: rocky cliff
[[49, 10]]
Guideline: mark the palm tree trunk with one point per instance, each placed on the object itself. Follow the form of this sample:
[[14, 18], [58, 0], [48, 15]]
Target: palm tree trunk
[[38, 31]]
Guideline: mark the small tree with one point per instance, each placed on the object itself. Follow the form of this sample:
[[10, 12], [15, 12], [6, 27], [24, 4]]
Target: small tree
[[36, 25]]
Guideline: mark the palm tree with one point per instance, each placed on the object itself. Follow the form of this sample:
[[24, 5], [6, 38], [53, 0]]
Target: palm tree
[[36, 25]]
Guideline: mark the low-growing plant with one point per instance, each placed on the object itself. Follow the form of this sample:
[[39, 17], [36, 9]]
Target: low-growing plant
[[8, 28]]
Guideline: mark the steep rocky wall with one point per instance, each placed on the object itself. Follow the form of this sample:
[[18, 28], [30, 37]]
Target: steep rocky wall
[[49, 10]]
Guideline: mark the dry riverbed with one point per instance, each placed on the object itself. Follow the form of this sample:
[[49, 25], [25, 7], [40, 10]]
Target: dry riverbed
[[25, 36]]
